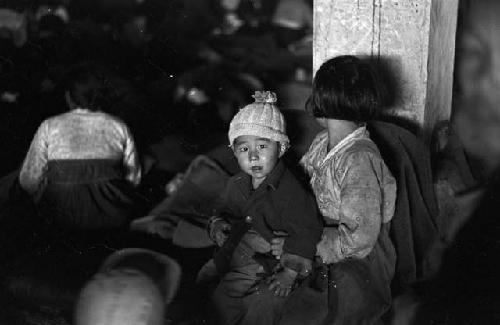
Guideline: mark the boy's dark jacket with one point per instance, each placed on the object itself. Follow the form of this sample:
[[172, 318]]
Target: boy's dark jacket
[[280, 203]]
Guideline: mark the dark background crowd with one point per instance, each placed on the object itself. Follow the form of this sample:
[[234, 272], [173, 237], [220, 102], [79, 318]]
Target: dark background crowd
[[171, 67], [174, 71]]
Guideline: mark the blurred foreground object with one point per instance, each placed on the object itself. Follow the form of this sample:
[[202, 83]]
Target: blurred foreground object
[[133, 287]]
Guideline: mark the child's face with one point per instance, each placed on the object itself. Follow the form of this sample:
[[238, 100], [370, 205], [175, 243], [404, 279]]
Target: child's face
[[256, 156]]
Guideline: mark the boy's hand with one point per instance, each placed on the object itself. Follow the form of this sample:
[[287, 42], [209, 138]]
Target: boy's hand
[[277, 246], [220, 232], [277, 243], [281, 284]]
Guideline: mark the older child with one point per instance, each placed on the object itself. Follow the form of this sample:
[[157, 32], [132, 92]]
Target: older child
[[354, 190], [265, 194]]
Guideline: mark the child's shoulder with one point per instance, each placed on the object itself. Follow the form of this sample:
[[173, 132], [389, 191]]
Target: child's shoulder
[[360, 150], [362, 146]]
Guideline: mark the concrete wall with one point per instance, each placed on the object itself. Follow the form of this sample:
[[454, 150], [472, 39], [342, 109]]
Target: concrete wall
[[414, 39]]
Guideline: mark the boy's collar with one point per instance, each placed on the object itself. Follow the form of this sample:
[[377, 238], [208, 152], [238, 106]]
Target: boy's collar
[[272, 180]]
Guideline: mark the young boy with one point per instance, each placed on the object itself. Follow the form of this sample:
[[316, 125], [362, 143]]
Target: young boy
[[260, 202]]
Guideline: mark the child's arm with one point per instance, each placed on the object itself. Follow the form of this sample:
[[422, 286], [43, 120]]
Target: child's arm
[[218, 230], [219, 226], [360, 210], [35, 164]]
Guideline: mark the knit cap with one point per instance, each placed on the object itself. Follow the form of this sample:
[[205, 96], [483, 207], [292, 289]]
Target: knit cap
[[261, 118]]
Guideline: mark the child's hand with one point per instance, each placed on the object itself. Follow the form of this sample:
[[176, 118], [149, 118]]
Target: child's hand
[[277, 243], [219, 232], [277, 246], [326, 248], [281, 283]]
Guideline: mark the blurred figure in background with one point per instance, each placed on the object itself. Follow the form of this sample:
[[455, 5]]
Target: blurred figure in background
[[466, 289], [292, 20], [82, 165], [13, 26], [244, 16]]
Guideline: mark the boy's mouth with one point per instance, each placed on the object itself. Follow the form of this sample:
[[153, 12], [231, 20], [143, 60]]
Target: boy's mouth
[[256, 168]]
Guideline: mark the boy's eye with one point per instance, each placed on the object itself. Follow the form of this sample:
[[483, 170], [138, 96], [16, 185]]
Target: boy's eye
[[242, 149], [262, 146]]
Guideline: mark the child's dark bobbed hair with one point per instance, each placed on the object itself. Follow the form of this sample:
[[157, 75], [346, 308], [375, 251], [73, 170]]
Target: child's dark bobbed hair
[[346, 88], [86, 86]]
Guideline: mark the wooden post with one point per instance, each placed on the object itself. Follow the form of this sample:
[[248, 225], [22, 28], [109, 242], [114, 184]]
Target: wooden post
[[414, 39]]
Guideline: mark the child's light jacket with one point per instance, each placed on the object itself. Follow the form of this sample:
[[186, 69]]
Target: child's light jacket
[[354, 189]]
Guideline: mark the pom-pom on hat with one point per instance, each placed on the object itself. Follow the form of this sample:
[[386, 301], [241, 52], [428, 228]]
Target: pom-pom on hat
[[261, 118]]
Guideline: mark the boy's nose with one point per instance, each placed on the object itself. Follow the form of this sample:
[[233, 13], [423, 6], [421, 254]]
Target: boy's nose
[[253, 155]]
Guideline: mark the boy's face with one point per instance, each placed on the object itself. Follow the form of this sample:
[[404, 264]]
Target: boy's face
[[256, 156]]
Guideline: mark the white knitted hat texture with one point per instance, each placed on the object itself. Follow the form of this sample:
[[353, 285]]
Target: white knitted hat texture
[[261, 118]]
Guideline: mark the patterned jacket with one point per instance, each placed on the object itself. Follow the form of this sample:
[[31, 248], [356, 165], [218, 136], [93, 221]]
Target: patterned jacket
[[354, 190]]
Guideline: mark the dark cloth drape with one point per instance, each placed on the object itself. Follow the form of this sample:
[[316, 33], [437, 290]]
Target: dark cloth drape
[[413, 227]]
